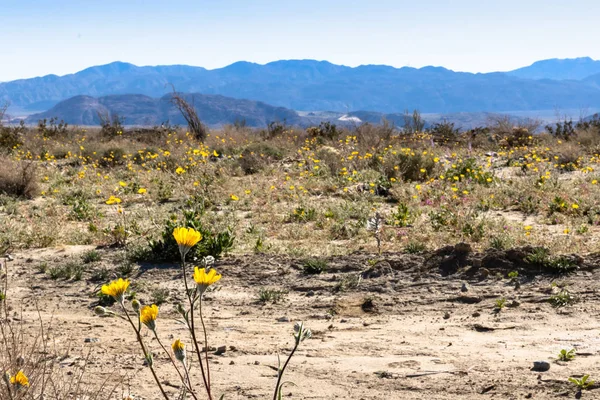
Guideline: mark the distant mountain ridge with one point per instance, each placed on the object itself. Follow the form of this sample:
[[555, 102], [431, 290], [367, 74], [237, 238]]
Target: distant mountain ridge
[[557, 69], [216, 111], [321, 86], [213, 110]]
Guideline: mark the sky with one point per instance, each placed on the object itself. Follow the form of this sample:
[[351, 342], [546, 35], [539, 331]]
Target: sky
[[65, 36]]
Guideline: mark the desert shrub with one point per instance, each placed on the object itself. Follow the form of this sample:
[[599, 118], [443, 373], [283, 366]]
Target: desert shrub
[[90, 257], [302, 214], [444, 132], [111, 126], [402, 216], [374, 137], [568, 157], [331, 158], [540, 257], [18, 179], [314, 266], [274, 129], [562, 129], [266, 295], [213, 243], [144, 155], [415, 248], [442, 218], [518, 137], [11, 136], [52, 128], [468, 170], [407, 165], [413, 123], [113, 156], [512, 134], [256, 156], [325, 131]]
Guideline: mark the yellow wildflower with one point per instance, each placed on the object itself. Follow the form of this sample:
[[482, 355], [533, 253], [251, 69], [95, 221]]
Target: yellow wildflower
[[20, 379], [148, 316], [116, 289], [113, 200], [186, 238], [179, 350], [205, 279], [234, 197], [142, 191]]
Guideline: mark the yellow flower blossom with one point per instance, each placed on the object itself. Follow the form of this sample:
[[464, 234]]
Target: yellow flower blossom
[[113, 200], [142, 191], [148, 316], [186, 238], [20, 379], [179, 350], [116, 289], [234, 197], [205, 279]]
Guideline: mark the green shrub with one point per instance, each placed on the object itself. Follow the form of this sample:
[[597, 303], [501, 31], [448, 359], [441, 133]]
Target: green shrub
[[314, 266], [212, 244]]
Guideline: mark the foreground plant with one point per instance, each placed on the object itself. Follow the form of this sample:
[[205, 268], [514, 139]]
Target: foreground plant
[[203, 277], [566, 355], [16, 383], [301, 333], [583, 383]]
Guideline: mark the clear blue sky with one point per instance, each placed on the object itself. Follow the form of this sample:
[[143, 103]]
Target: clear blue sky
[[64, 36]]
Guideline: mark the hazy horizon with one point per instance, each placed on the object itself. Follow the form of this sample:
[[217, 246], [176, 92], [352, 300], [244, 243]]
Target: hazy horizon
[[268, 62], [63, 36]]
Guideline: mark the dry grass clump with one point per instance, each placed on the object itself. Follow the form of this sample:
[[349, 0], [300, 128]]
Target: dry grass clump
[[31, 362], [18, 178]]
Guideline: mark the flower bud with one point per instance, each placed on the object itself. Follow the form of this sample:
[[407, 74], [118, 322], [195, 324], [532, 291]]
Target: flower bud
[[100, 311], [135, 304]]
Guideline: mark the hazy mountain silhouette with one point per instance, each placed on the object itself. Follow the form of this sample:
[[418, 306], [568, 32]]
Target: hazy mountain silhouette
[[319, 85], [143, 110], [557, 69]]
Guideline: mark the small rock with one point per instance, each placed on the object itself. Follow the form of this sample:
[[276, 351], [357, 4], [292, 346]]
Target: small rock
[[514, 304], [464, 288], [476, 314], [91, 340], [447, 315], [283, 319], [540, 366], [310, 293], [221, 350]]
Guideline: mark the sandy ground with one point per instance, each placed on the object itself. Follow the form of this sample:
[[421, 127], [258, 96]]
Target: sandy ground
[[423, 338]]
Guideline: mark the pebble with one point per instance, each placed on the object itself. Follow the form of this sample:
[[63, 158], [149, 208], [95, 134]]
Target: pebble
[[91, 340], [464, 288], [283, 319], [541, 366]]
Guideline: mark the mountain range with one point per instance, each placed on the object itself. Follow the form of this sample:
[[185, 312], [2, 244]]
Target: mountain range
[[315, 86]]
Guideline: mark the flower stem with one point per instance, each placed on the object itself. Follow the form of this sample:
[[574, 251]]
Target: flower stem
[[141, 342], [205, 341], [281, 371], [192, 329], [188, 385]]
